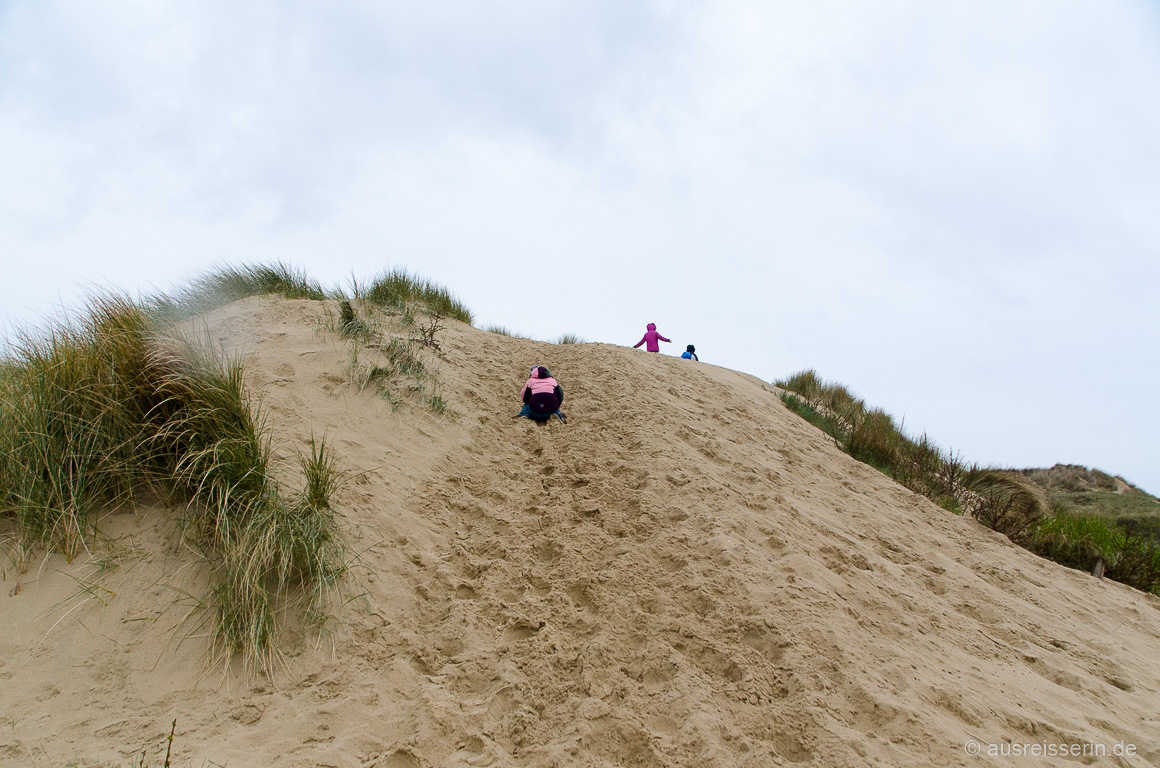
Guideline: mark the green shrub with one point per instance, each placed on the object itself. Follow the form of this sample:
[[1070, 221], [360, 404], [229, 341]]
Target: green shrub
[[1077, 541], [1138, 563], [1080, 541]]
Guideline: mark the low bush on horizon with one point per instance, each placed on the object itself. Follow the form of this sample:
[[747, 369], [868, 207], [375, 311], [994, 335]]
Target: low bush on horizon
[[1084, 491], [96, 412], [1006, 501]]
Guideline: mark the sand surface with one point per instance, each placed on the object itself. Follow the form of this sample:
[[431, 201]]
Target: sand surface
[[685, 574]]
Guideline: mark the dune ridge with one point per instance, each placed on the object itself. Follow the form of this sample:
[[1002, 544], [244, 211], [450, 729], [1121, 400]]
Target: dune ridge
[[685, 574]]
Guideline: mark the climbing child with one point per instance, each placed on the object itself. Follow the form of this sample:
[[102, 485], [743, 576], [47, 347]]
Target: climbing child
[[690, 353], [542, 395], [650, 338]]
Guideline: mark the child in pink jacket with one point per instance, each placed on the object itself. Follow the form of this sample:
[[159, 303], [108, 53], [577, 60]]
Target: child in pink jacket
[[542, 396], [651, 338]]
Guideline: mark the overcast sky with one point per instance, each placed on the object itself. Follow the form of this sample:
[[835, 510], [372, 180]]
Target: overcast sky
[[952, 207]]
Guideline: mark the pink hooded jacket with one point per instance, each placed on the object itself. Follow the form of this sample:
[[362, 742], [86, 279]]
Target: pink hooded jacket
[[651, 337]]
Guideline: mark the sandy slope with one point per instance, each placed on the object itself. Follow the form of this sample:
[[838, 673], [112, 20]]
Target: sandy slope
[[685, 574]]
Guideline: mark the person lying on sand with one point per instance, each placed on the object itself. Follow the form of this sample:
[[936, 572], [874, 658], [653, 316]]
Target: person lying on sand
[[542, 395], [651, 337]]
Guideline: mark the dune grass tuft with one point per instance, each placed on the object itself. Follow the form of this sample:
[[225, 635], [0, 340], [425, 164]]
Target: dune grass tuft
[[321, 473], [95, 410], [72, 412], [397, 289], [352, 326], [805, 384], [501, 330], [226, 284], [1004, 504]]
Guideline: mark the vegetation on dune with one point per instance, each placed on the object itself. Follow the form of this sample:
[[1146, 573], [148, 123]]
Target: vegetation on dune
[[1004, 504], [1084, 491], [397, 289], [500, 330], [1077, 517], [390, 353], [98, 411], [113, 405], [230, 283], [72, 417], [871, 436]]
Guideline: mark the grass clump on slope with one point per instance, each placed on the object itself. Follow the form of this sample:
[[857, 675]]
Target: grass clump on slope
[[391, 352], [72, 419], [1005, 501], [95, 412]]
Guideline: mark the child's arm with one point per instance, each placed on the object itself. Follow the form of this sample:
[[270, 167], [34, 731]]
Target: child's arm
[[662, 338]]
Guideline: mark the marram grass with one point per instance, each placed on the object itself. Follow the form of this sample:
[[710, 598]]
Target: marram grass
[[94, 411], [398, 289], [230, 283]]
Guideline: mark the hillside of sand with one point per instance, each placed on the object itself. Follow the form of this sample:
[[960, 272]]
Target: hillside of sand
[[684, 574]]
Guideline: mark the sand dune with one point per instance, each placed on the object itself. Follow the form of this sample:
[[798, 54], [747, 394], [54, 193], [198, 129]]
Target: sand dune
[[685, 574]]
